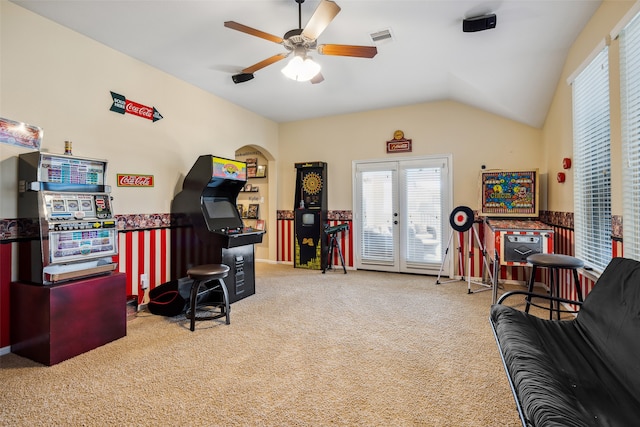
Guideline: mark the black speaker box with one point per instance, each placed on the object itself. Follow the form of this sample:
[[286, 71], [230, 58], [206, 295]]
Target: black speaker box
[[242, 77], [479, 23]]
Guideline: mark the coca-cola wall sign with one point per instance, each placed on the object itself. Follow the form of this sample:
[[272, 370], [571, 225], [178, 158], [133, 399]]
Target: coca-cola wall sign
[[123, 105], [135, 180]]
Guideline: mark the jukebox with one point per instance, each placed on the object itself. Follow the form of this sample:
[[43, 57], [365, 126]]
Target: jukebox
[[68, 198], [310, 216], [207, 227]]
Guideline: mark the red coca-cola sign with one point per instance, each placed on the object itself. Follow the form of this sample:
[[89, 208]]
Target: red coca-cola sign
[[139, 110], [122, 105], [134, 180]]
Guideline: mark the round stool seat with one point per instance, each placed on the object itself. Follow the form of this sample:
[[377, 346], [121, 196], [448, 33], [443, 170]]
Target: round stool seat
[[201, 275], [555, 261], [208, 272]]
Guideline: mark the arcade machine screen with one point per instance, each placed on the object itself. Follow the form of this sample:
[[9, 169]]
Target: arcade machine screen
[[221, 213]]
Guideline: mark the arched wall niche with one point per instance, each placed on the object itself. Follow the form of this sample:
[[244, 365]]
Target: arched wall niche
[[259, 200]]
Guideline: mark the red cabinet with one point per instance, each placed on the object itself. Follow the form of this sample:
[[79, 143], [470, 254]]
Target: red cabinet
[[50, 324]]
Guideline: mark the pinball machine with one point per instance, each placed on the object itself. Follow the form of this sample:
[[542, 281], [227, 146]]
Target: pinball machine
[[207, 227], [510, 202]]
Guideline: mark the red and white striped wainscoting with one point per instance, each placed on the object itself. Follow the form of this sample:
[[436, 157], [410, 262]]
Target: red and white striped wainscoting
[[144, 252]]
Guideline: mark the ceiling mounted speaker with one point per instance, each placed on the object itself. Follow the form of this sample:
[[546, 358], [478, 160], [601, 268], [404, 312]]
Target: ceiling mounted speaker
[[479, 23], [242, 77], [461, 218]]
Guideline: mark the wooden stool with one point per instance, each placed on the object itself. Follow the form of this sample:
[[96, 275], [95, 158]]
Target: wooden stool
[[201, 275], [554, 262]]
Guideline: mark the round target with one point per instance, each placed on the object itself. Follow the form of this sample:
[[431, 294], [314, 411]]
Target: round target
[[461, 218]]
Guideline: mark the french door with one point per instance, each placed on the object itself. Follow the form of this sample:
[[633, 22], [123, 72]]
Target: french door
[[400, 214]]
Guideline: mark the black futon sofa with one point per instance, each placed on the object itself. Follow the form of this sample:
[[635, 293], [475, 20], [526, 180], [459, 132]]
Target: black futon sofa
[[579, 372]]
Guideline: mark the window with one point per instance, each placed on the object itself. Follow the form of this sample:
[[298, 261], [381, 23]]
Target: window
[[591, 147], [630, 97]]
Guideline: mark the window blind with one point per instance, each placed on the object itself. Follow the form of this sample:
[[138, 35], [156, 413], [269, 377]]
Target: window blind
[[591, 148], [630, 99], [377, 222], [423, 210]]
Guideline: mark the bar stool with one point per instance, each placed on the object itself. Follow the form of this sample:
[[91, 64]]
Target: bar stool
[[555, 263], [201, 275]]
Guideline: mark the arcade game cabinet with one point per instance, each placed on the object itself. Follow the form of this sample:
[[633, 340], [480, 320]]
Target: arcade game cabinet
[[310, 216], [207, 227]]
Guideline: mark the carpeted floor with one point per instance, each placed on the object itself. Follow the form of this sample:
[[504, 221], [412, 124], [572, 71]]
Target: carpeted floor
[[308, 349]]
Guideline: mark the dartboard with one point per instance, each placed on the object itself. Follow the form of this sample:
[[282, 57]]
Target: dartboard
[[312, 183]]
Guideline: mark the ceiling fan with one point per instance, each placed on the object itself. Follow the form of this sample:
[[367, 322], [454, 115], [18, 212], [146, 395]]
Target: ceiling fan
[[299, 42]]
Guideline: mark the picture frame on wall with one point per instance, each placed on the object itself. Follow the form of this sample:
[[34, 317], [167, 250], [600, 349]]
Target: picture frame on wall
[[261, 171], [252, 211], [252, 164], [260, 224], [240, 207]]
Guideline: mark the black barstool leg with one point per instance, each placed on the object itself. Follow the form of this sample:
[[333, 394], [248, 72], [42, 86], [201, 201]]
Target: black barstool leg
[[554, 291], [225, 293], [532, 280], [576, 278], [195, 286]]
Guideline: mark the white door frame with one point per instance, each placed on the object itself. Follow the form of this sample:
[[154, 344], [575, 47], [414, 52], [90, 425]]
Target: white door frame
[[447, 203]]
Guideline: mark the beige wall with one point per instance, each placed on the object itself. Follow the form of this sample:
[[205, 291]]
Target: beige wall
[[472, 136], [558, 132], [59, 80]]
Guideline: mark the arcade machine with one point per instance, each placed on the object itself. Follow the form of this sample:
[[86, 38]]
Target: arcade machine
[[72, 204], [310, 216], [510, 204], [207, 227]]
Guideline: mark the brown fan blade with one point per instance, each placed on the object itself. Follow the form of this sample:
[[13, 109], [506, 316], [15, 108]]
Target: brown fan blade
[[260, 65], [321, 18], [252, 31], [318, 78], [348, 50]]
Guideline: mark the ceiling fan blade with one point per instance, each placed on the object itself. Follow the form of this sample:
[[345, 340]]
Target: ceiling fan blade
[[321, 18], [348, 50], [252, 31], [260, 65], [318, 78]]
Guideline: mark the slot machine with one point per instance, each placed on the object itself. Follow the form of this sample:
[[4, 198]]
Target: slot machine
[[310, 216], [68, 198], [207, 227]]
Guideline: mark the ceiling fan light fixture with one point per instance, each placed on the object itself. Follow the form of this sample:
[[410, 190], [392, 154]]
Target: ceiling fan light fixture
[[301, 69]]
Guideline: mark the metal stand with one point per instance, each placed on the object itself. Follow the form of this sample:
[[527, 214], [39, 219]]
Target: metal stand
[[446, 252], [484, 286], [334, 245]]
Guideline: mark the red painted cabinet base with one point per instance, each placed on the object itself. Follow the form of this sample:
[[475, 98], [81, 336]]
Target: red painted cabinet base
[[50, 324]]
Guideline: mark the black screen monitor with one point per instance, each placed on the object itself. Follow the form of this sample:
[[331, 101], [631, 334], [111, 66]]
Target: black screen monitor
[[308, 219], [221, 213]]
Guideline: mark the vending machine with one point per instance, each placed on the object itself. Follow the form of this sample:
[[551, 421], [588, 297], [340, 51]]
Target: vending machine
[[68, 198], [310, 216]]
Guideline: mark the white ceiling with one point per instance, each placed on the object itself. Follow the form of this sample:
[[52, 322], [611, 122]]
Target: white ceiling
[[512, 70]]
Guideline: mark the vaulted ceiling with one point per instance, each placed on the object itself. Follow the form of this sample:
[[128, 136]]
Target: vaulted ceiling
[[511, 70]]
